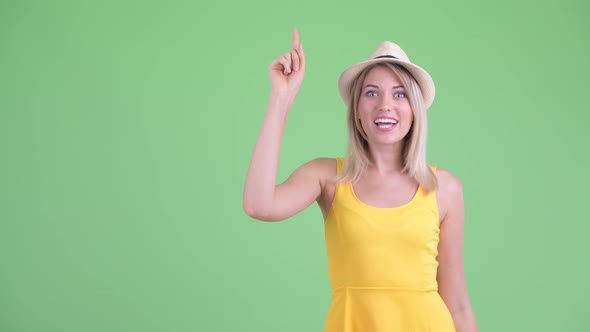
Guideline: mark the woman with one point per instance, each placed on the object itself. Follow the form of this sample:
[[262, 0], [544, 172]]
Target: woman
[[393, 224]]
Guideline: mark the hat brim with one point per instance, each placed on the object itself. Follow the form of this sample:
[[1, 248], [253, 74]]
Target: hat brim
[[420, 75]]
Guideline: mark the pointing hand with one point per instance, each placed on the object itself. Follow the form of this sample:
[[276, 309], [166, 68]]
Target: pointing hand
[[287, 71]]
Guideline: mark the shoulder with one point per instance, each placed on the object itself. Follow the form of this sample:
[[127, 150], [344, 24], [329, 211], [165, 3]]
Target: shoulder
[[448, 183], [321, 164], [449, 192], [323, 168]]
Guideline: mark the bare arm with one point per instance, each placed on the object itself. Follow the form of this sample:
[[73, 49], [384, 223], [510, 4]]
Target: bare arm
[[263, 199], [451, 276]]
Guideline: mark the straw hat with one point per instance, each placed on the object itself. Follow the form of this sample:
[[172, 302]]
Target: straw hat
[[388, 52]]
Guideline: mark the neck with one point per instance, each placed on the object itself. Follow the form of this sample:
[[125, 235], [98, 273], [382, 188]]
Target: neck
[[386, 159]]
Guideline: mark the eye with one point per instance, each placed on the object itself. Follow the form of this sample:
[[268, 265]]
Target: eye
[[371, 93], [400, 95]]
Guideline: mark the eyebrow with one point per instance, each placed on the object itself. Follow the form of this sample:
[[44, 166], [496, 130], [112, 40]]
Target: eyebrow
[[376, 87]]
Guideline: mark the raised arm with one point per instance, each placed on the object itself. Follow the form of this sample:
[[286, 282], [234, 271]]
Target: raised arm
[[263, 199]]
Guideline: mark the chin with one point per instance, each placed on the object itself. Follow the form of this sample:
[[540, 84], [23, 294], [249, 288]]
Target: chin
[[387, 141]]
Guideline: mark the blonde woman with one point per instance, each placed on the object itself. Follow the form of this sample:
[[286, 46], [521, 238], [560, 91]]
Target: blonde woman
[[393, 223]]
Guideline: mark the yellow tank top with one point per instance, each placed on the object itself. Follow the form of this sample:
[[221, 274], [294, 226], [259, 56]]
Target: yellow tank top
[[382, 264]]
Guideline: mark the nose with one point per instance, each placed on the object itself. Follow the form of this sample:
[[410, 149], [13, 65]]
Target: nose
[[384, 108], [385, 105]]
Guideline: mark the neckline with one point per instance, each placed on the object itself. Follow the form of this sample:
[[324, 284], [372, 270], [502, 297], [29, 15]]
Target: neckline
[[358, 200]]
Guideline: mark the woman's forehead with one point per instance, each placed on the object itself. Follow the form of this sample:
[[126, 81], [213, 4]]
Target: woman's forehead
[[381, 74]]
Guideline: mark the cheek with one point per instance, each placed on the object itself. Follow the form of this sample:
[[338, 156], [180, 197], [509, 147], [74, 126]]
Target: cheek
[[363, 106], [364, 120], [363, 111], [407, 113]]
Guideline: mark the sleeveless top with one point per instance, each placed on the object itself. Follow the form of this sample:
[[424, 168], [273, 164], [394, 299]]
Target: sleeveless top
[[382, 264]]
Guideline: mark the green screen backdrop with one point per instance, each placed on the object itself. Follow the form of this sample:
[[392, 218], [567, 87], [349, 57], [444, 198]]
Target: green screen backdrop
[[126, 129]]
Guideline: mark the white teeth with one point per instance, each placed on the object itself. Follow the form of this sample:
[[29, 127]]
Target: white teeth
[[385, 120]]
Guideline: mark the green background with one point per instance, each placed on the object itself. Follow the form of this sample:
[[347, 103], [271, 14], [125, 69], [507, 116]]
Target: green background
[[126, 129]]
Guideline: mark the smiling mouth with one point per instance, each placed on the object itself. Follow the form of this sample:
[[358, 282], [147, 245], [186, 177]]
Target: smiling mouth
[[385, 123]]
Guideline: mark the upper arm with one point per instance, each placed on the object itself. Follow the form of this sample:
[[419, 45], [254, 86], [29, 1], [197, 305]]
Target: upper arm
[[451, 276], [301, 188]]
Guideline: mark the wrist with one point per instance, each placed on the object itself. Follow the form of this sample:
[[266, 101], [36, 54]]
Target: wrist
[[281, 99]]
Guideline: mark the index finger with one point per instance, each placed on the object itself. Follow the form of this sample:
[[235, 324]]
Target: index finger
[[295, 44]]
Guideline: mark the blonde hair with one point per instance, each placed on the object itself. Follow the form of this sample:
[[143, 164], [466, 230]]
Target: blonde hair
[[414, 150]]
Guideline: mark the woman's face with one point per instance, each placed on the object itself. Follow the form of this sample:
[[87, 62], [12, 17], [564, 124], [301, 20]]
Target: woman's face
[[384, 108]]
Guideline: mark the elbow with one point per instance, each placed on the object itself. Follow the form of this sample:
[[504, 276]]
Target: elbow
[[256, 212]]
